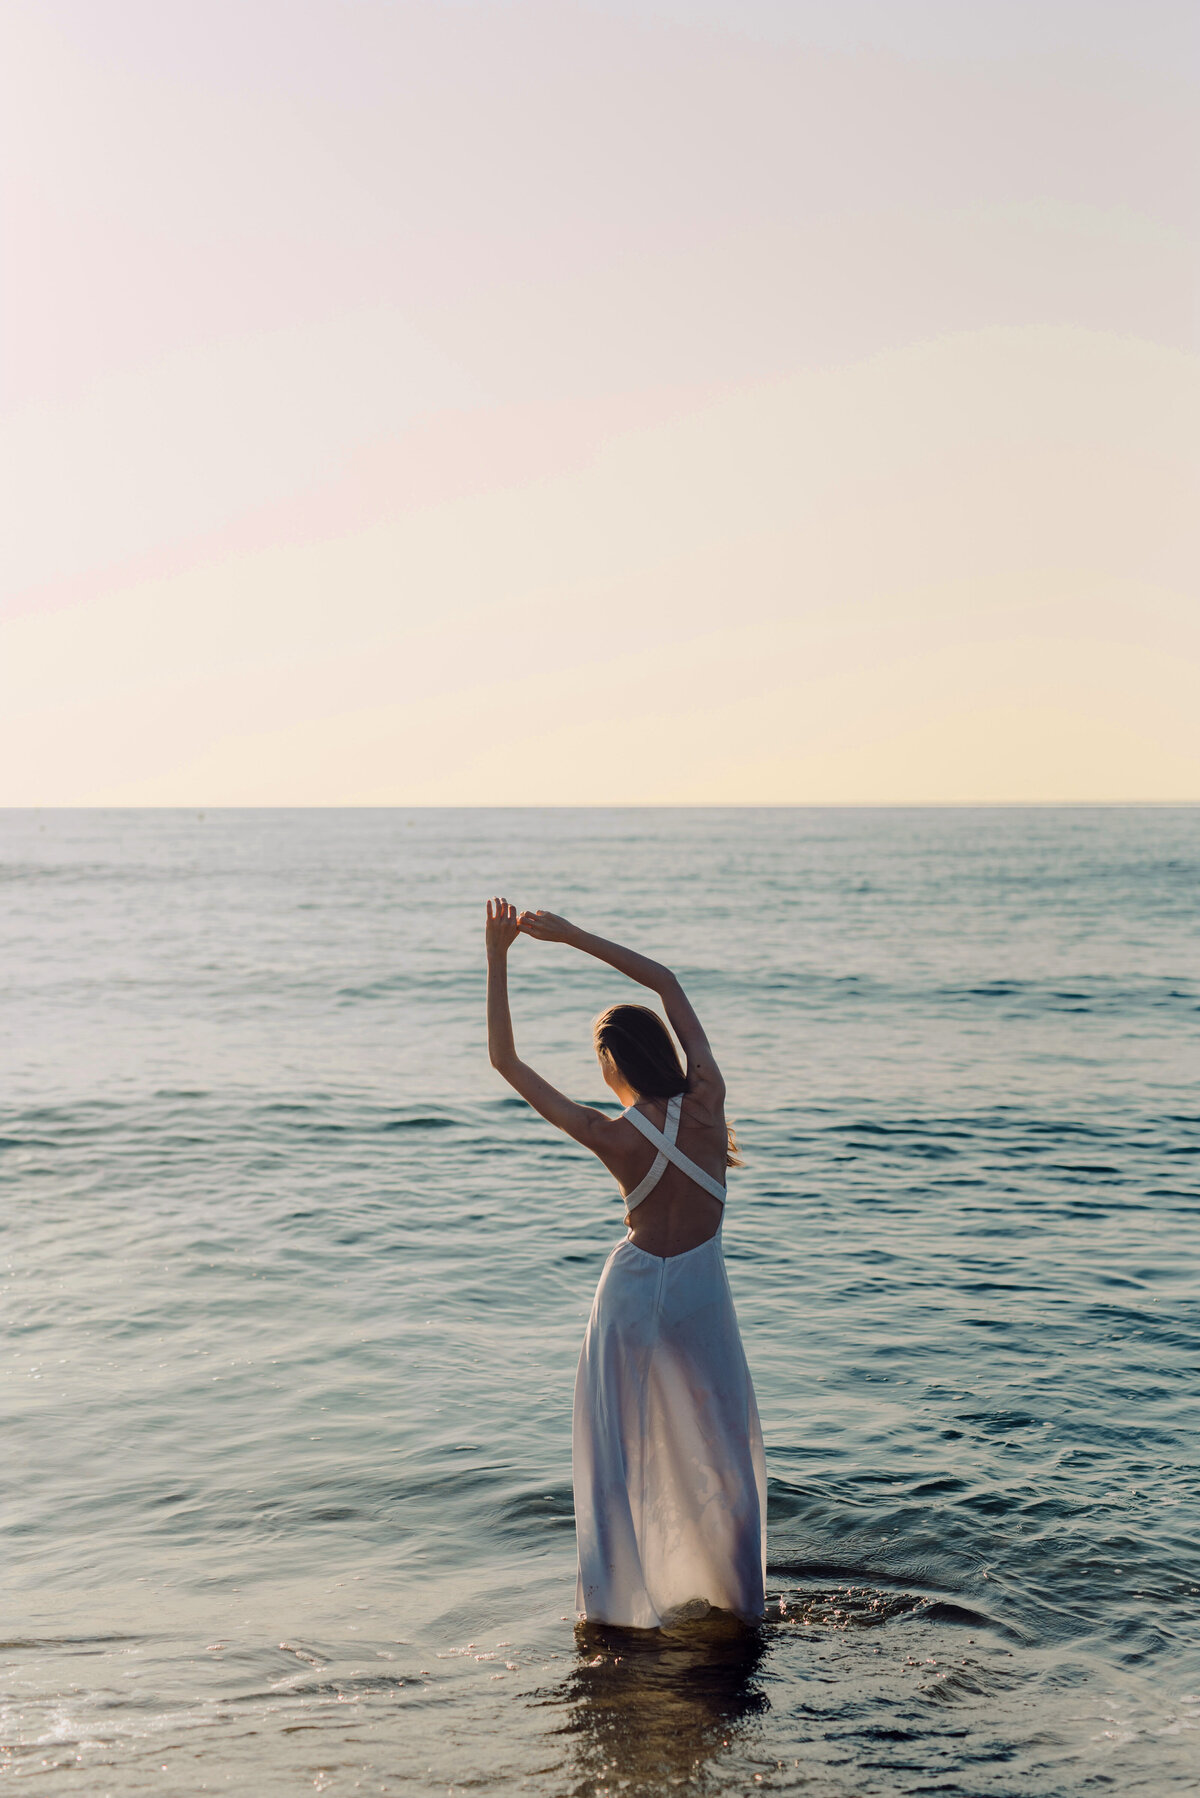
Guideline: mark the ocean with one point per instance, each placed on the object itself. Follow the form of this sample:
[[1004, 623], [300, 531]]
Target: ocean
[[294, 1288]]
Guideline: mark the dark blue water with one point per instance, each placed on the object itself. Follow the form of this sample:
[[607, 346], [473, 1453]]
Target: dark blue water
[[294, 1288]]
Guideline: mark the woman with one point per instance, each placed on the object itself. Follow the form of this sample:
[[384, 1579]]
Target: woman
[[670, 1484]]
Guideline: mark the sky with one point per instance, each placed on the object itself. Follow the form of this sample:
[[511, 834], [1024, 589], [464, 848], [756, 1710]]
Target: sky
[[579, 402]]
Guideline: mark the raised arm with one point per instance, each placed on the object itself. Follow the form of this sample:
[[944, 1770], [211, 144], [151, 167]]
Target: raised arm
[[701, 1067], [583, 1122]]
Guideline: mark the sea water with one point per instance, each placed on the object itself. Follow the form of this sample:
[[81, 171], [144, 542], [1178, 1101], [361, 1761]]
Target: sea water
[[294, 1288]]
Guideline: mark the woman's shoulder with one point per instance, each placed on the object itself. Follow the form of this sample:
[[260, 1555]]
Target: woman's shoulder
[[704, 1101]]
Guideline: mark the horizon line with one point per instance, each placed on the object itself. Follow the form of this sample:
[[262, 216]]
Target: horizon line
[[667, 805]]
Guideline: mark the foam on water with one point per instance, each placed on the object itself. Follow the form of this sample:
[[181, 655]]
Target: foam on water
[[294, 1291]]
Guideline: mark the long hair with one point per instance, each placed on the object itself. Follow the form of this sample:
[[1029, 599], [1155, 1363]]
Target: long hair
[[640, 1047]]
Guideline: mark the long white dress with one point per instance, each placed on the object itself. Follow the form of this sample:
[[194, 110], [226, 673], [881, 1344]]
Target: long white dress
[[670, 1481]]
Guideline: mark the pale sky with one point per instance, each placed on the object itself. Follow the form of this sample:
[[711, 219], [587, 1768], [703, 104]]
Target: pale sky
[[631, 401]]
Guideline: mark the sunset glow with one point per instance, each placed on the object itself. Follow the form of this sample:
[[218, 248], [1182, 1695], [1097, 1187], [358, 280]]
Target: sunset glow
[[585, 404]]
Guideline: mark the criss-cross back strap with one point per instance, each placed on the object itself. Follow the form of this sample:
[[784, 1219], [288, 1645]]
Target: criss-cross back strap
[[667, 1151], [658, 1165]]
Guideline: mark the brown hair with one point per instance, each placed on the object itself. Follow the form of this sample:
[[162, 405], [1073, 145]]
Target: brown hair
[[640, 1047]]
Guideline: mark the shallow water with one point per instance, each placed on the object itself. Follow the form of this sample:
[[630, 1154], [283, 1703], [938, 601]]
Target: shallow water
[[294, 1293]]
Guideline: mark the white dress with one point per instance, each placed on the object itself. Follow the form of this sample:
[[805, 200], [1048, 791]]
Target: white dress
[[670, 1481]]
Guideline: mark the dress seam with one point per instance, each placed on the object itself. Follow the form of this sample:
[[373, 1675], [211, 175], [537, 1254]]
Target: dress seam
[[643, 1405]]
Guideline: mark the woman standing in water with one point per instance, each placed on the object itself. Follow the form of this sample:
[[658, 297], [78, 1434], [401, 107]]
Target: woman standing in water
[[670, 1483]]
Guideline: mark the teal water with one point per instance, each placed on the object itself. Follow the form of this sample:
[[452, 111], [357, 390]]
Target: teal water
[[294, 1288]]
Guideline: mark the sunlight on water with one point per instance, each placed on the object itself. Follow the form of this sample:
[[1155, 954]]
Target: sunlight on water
[[295, 1290]]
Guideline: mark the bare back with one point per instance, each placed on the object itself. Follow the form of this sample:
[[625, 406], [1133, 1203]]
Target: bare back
[[677, 1215]]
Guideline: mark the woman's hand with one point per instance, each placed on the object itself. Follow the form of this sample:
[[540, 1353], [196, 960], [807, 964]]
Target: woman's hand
[[502, 927], [546, 926]]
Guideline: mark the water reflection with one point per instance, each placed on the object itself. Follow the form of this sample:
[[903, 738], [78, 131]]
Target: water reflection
[[652, 1710]]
